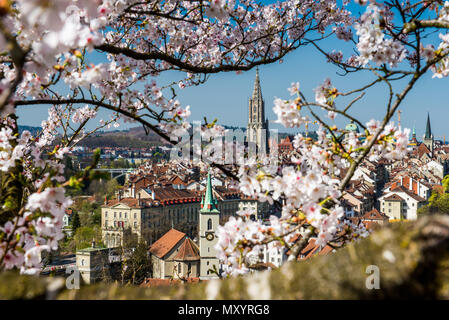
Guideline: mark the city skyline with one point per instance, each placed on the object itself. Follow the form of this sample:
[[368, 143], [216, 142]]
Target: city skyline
[[226, 96]]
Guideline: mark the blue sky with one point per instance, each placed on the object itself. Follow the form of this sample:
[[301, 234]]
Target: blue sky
[[225, 95]]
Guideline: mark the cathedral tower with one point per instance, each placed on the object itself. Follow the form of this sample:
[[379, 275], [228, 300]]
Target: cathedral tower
[[257, 131], [209, 220], [428, 137]]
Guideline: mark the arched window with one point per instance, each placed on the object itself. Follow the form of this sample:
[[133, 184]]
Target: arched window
[[209, 224]]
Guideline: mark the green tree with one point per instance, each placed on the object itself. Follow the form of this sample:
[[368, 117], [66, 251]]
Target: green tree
[[84, 236], [136, 266], [76, 223], [438, 201]]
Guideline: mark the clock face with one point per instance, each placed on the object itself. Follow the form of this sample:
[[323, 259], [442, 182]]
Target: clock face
[[210, 236]]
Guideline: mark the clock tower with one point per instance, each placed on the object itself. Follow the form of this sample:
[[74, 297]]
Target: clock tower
[[209, 220]]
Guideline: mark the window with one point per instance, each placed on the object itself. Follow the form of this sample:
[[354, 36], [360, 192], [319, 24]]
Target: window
[[135, 224], [126, 215], [106, 214], [179, 268], [135, 215], [209, 224], [120, 214], [82, 262], [115, 214]]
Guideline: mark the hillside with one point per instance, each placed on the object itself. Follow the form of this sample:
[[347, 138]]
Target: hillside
[[133, 138]]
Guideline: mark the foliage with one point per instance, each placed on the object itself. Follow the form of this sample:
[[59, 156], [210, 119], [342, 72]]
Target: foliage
[[85, 235], [438, 201], [136, 266], [76, 223]]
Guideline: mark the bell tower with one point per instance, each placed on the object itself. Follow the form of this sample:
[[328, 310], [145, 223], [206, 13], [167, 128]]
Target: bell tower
[[257, 130], [209, 221]]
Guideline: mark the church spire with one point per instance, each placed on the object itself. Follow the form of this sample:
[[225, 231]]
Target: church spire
[[209, 203], [257, 92], [428, 130]]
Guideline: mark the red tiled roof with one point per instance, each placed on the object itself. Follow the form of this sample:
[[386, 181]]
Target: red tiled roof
[[374, 215], [130, 202], [165, 194], [409, 193], [188, 251], [422, 149], [394, 197], [162, 246]]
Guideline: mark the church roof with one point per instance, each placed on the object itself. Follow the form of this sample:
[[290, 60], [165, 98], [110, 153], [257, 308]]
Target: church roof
[[166, 243], [188, 251]]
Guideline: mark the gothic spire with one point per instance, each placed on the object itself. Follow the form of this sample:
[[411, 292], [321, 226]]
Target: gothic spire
[[428, 130], [257, 92]]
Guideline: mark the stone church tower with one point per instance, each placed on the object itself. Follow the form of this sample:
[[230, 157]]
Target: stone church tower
[[257, 130], [209, 221], [428, 137]]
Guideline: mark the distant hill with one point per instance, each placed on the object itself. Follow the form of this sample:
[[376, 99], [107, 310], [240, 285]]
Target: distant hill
[[133, 138], [33, 130]]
